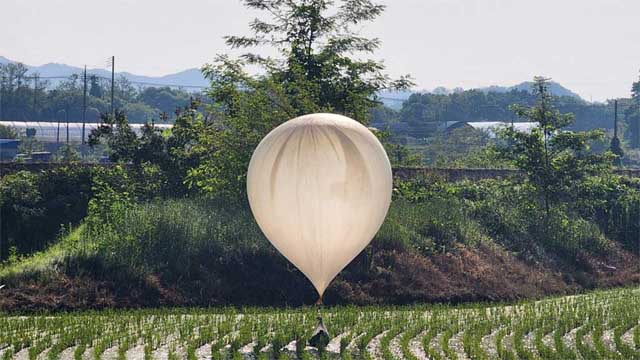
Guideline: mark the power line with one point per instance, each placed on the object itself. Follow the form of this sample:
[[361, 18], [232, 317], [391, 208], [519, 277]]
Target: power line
[[108, 79]]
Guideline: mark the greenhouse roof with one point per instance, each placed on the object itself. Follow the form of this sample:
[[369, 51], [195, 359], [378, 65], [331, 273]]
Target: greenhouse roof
[[57, 132]]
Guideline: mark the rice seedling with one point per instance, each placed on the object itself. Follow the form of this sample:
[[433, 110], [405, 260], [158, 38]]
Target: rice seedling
[[599, 325]]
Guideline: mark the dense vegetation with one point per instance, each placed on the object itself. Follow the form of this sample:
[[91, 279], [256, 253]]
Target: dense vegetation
[[422, 122], [423, 114], [169, 223], [133, 250]]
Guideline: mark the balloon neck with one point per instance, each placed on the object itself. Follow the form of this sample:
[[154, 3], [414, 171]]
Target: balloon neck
[[319, 302]]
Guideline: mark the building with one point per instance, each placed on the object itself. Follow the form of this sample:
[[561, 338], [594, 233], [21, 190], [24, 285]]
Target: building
[[490, 127], [56, 132], [8, 149]]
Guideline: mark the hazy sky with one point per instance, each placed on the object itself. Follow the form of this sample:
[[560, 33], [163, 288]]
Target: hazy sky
[[590, 46]]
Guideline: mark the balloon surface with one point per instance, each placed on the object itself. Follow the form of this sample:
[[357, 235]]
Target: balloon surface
[[319, 187]]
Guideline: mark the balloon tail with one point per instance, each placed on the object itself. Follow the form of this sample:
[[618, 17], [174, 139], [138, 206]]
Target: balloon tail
[[319, 302]]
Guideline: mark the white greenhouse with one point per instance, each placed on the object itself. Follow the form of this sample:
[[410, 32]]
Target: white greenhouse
[[491, 127], [54, 132]]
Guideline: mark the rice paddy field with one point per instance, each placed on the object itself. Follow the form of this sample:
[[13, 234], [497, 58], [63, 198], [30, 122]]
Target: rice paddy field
[[599, 325]]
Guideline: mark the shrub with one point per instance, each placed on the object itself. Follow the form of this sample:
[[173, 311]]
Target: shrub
[[210, 250], [34, 207], [430, 216], [612, 202]]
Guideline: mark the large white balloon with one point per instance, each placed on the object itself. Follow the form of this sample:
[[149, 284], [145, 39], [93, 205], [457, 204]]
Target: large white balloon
[[320, 187]]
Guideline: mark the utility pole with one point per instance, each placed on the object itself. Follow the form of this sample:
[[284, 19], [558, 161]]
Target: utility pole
[[615, 119], [66, 115], [113, 81], [84, 103], [615, 142], [1, 93], [35, 95]]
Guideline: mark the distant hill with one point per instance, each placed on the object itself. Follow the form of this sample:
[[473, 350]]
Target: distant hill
[[394, 99], [555, 89], [186, 78], [194, 78]]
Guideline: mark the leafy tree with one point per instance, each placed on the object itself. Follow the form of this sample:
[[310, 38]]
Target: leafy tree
[[29, 145], [7, 132], [140, 112], [67, 154], [399, 154], [15, 99], [125, 92], [317, 68], [120, 137], [95, 89], [169, 155], [554, 160], [316, 71], [422, 113], [34, 206], [633, 116], [21, 100], [164, 99], [381, 116], [457, 146], [616, 149]]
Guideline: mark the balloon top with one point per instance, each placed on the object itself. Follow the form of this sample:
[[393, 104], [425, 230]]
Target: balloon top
[[322, 119]]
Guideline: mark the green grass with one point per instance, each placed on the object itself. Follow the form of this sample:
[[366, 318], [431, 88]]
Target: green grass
[[42, 262]]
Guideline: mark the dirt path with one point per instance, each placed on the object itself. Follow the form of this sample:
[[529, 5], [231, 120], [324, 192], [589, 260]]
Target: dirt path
[[455, 344], [488, 343], [373, 348], [416, 348]]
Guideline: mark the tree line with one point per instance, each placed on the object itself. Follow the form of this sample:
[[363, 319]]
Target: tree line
[[423, 115], [27, 97]]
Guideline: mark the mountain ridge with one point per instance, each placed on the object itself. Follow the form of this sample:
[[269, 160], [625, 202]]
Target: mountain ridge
[[193, 78], [394, 99], [186, 78]]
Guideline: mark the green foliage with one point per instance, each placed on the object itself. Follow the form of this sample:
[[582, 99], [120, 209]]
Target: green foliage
[[34, 206], [444, 215], [399, 154], [246, 109], [316, 41], [616, 149], [437, 225], [632, 116], [7, 132], [29, 145], [67, 154], [22, 101], [462, 148], [121, 140], [153, 154], [554, 160], [169, 237], [317, 71], [424, 113], [165, 99], [612, 202], [209, 249]]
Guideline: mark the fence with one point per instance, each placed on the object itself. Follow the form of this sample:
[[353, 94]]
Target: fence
[[403, 173]]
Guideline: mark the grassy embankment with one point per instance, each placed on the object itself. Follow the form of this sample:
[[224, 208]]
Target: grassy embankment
[[462, 242]]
